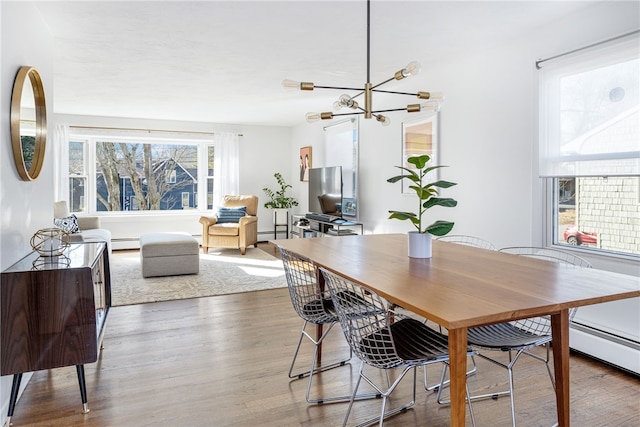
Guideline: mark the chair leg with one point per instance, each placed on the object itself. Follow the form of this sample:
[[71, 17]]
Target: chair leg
[[443, 382], [384, 414], [314, 370]]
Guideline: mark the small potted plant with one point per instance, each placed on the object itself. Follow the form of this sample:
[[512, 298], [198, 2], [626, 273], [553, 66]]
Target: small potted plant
[[279, 201], [427, 192]]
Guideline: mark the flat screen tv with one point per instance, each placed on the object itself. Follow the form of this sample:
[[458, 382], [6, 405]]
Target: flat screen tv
[[325, 190]]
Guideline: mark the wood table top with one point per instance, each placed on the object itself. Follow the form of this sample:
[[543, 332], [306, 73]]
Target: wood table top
[[462, 286]]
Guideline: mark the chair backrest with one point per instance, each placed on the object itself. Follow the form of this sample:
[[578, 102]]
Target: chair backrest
[[309, 301], [251, 202], [468, 240], [542, 325], [553, 255], [365, 320]]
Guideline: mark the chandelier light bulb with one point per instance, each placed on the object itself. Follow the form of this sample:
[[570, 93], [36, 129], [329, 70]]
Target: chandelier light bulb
[[384, 120], [313, 117], [430, 106], [337, 105], [411, 69], [291, 84]]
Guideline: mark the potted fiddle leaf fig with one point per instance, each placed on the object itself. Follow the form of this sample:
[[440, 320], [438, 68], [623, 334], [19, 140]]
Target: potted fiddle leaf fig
[[427, 194], [279, 201]]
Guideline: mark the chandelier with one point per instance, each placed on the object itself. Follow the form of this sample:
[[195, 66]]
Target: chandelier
[[432, 103]]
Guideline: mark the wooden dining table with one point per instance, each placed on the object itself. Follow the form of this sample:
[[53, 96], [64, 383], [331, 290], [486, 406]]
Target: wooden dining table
[[461, 287]]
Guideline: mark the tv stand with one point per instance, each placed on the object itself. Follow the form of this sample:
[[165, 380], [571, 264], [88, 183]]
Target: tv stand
[[312, 226]]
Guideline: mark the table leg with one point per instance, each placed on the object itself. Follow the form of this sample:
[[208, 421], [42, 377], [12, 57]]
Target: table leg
[[560, 334], [458, 374]]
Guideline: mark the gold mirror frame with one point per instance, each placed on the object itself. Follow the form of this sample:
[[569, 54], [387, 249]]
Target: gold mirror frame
[[31, 172]]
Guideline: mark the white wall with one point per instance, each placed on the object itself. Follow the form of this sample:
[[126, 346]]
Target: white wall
[[488, 133], [26, 206]]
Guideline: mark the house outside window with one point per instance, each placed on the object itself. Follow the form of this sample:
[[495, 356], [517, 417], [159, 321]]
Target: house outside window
[[590, 147]]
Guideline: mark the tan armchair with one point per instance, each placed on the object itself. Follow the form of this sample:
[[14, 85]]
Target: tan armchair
[[232, 234]]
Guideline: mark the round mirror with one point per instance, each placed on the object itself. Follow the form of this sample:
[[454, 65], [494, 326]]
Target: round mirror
[[28, 123]]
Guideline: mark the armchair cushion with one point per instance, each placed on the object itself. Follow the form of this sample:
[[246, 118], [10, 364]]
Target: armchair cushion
[[233, 215]]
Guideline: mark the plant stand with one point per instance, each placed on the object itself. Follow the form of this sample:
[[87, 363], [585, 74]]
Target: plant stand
[[280, 219]]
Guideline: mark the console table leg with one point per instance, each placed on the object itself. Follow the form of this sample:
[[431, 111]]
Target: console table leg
[[83, 388], [14, 396]]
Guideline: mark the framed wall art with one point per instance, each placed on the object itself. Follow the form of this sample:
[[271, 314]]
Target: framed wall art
[[305, 163], [420, 137]]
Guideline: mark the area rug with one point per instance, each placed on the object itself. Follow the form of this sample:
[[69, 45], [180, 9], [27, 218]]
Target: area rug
[[222, 271]]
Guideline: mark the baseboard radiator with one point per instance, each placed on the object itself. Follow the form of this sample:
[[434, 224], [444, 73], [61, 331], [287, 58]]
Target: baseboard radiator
[[618, 351]]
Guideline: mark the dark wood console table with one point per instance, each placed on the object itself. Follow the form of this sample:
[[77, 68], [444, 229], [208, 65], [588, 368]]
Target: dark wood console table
[[53, 312]]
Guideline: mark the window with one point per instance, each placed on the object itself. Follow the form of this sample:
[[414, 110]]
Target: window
[[590, 147], [112, 171], [77, 176]]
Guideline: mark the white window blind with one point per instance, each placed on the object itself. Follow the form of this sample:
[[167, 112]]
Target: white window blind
[[589, 111]]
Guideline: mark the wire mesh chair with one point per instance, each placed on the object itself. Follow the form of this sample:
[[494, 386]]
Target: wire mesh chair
[[383, 339], [521, 335], [315, 307], [468, 240]]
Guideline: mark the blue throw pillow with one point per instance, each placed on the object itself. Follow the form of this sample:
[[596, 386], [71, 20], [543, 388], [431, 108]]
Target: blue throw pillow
[[68, 224], [231, 214]]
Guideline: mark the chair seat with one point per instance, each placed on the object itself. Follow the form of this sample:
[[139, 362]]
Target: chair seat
[[319, 311], [225, 229], [414, 343], [504, 336]]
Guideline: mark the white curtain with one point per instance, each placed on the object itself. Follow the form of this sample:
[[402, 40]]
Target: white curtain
[[61, 163], [226, 166]]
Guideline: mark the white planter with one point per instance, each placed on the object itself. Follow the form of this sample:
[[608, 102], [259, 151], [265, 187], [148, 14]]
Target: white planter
[[280, 216], [419, 245]]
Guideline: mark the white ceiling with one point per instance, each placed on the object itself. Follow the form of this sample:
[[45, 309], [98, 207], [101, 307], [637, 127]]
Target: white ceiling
[[224, 61]]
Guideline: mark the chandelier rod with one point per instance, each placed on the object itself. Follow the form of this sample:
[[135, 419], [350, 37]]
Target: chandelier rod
[[368, 41]]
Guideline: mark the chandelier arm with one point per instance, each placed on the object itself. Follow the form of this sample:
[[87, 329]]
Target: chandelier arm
[[382, 83], [389, 110], [355, 113], [337, 87], [394, 92]]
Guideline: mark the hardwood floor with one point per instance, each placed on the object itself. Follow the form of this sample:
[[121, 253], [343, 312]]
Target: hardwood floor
[[223, 361]]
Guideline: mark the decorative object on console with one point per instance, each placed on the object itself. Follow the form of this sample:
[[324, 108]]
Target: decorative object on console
[[345, 100], [28, 123], [426, 192], [50, 242]]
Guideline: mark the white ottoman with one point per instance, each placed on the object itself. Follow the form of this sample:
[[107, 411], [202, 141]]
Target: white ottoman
[[168, 254]]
